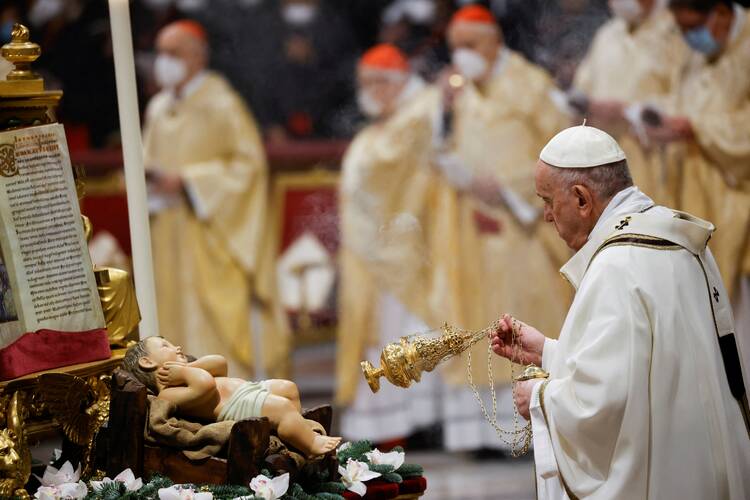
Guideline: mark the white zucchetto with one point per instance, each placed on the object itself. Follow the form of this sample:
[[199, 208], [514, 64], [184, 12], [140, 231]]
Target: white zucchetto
[[581, 147]]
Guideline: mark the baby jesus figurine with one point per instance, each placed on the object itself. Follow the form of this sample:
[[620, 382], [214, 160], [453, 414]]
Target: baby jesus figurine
[[202, 389]]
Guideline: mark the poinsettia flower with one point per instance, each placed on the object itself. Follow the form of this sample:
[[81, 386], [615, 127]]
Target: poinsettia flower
[[65, 490], [126, 477], [177, 492], [392, 458], [64, 475], [46, 493], [355, 474], [270, 489]]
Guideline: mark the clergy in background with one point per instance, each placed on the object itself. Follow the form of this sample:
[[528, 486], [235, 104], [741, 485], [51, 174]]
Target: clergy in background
[[491, 254], [707, 127], [208, 192], [632, 60], [386, 184], [644, 395]]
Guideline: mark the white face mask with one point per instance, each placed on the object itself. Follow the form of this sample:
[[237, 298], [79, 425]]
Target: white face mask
[[470, 63], [299, 14], [628, 10], [191, 5], [169, 71], [419, 11], [44, 11], [371, 107]]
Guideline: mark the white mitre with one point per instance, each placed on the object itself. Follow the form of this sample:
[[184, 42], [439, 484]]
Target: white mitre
[[581, 147]]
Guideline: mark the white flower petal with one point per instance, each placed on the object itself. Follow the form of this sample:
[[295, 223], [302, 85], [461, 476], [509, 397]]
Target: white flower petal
[[358, 487], [280, 484], [259, 484], [170, 493], [50, 476], [73, 490], [368, 474], [125, 476], [134, 485], [204, 495], [392, 458], [98, 485], [67, 469], [46, 493]]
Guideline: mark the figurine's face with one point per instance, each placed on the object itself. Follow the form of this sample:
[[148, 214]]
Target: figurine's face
[[8, 456], [160, 350]]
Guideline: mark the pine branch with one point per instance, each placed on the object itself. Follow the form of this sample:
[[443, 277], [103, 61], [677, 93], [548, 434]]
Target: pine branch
[[410, 470]]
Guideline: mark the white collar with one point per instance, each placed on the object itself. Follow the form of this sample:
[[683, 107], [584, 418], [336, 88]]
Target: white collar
[[500, 61], [628, 201], [412, 88], [190, 87], [737, 23]]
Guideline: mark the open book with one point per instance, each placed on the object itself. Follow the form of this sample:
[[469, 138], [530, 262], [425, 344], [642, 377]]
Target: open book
[[46, 278]]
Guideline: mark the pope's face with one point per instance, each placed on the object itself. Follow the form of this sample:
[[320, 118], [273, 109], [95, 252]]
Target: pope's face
[[160, 350], [564, 206]]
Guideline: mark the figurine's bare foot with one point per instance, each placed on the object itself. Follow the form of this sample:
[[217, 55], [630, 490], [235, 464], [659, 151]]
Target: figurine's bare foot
[[323, 444], [316, 427]]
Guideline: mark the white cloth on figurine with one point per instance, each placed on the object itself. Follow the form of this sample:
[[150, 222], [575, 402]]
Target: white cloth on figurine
[[638, 403], [392, 412]]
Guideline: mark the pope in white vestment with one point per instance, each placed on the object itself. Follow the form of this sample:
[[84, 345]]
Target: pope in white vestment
[[638, 401]]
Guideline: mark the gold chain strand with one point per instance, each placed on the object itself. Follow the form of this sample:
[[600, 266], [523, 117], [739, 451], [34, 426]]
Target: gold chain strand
[[519, 438]]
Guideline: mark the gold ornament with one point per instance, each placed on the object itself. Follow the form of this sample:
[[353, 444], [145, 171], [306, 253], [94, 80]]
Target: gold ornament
[[403, 362], [15, 458], [80, 406]]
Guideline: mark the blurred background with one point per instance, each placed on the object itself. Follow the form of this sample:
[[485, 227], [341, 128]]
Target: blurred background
[[294, 64]]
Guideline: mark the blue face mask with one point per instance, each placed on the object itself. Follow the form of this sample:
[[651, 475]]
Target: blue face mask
[[6, 30], [700, 39]]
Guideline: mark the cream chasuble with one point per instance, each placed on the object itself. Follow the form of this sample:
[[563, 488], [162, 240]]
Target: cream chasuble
[[715, 168], [638, 403], [489, 261], [385, 189], [635, 65], [207, 245]]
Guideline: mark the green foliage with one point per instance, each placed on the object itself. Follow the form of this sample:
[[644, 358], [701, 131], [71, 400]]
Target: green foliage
[[230, 491], [380, 468], [109, 491], [391, 477], [322, 489], [151, 489], [330, 487], [328, 496], [296, 492], [356, 451], [410, 470]]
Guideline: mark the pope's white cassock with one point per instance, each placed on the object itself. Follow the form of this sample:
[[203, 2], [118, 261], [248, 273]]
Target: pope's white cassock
[[638, 403]]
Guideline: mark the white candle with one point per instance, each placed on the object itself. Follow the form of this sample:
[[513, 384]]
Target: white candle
[[135, 178]]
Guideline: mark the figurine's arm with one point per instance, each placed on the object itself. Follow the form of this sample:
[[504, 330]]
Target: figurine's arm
[[188, 387], [215, 364]]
